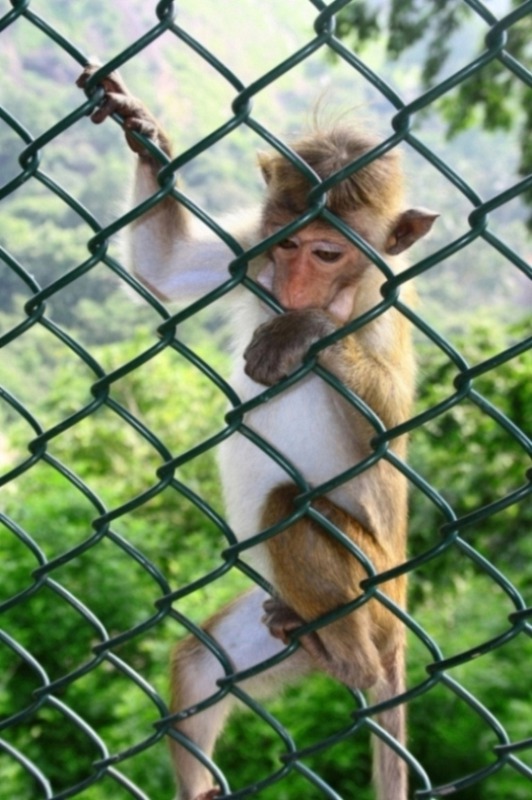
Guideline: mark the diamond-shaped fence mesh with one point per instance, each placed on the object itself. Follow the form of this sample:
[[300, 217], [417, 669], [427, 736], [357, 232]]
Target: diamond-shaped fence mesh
[[113, 537]]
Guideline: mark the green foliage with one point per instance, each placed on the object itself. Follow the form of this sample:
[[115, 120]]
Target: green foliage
[[470, 477], [493, 96], [169, 530], [471, 461]]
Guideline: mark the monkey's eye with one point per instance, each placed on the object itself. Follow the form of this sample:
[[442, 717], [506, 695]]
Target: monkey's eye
[[328, 256], [287, 244]]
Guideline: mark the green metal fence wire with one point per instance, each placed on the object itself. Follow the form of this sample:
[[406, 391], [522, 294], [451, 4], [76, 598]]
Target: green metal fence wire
[[52, 701]]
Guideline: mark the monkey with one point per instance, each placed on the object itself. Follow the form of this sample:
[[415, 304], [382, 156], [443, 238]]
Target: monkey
[[321, 281]]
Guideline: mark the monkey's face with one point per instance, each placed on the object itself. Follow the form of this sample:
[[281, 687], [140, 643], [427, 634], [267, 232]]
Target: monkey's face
[[315, 268]]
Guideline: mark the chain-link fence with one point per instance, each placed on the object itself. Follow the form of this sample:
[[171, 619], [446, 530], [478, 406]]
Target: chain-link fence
[[113, 537]]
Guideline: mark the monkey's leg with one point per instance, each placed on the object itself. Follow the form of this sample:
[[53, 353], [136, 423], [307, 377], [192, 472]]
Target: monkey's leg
[[314, 574], [363, 649], [195, 671], [389, 769]]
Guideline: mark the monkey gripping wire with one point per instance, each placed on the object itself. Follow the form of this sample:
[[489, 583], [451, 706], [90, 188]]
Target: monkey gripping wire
[[51, 699]]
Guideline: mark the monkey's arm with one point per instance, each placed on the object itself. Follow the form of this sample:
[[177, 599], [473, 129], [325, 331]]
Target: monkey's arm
[[167, 248]]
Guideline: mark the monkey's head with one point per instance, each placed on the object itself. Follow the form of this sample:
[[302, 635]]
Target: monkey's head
[[317, 267]]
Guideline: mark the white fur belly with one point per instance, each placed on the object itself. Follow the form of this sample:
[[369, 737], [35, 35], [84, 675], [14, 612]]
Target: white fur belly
[[308, 426]]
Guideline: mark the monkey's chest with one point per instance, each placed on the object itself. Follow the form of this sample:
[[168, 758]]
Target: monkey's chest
[[305, 431]]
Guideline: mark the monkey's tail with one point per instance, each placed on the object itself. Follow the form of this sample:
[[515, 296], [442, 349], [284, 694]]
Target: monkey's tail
[[390, 773]]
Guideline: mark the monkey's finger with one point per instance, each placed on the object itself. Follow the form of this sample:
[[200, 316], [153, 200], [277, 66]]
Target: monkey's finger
[[87, 73], [142, 125], [109, 106], [112, 82], [117, 103]]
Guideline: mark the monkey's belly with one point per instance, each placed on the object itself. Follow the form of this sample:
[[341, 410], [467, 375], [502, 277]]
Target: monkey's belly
[[308, 426]]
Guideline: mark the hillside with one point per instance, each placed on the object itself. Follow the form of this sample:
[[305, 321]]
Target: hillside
[[193, 100]]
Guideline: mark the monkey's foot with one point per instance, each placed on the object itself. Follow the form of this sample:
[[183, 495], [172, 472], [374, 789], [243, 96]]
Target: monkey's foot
[[118, 99], [212, 794], [282, 621]]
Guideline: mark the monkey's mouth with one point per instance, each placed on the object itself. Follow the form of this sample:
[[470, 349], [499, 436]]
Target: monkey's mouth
[[342, 304]]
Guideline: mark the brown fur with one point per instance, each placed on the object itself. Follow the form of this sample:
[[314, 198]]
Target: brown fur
[[351, 644]]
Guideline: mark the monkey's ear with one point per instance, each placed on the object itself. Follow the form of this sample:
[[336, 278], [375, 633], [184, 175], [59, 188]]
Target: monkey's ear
[[266, 165], [408, 228]]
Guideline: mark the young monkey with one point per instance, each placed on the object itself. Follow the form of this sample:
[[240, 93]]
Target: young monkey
[[322, 281]]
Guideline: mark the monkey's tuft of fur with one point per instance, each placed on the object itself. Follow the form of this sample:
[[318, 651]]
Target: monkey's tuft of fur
[[377, 185]]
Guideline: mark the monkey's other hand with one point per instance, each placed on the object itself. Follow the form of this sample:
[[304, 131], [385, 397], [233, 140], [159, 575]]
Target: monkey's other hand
[[212, 794], [118, 99], [279, 345], [282, 621]]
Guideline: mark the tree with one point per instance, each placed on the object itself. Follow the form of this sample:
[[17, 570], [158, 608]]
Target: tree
[[495, 96]]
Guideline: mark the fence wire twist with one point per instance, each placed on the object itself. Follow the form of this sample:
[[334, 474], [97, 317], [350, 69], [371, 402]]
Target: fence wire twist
[[109, 762]]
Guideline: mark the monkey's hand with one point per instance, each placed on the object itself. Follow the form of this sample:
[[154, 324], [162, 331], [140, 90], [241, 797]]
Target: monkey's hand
[[118, 99], [279, 346]]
